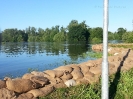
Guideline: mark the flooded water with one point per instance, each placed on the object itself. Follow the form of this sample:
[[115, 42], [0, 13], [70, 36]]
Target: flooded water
[[19, 58]]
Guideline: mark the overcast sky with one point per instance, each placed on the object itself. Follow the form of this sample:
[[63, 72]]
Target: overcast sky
[[47, 13]]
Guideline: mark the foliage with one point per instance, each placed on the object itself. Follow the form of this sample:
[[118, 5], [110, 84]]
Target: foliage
[[128, 37], [96, 33], [77, 32], [120, 32], [13, 35], [96, 40], [59, 37]]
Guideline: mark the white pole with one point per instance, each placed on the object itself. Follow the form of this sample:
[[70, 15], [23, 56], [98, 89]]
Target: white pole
[[105, 78]]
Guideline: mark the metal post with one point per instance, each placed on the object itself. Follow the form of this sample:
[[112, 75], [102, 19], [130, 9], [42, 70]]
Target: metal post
[[105, 78]]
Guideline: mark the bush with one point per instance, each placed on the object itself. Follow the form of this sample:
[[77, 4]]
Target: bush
[[96, 40], [128, 37]]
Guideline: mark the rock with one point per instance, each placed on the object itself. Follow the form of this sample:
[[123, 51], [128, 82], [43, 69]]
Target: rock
[[7, 94], [70, 83], [19, 85], [2, 84]]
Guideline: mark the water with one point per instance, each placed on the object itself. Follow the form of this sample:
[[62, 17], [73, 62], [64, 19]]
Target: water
[[17, 59]]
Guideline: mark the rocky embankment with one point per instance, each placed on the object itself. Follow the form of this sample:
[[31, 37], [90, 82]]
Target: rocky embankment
[[38, 84]]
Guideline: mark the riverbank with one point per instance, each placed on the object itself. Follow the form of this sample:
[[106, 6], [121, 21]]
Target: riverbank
[[42, 83]]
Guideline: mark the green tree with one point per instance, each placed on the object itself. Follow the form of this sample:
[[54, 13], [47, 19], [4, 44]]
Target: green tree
[[128, 37], [77, 32], [59, 37], [96, 33], [120, 32]]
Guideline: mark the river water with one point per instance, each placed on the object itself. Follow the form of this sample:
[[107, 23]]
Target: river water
[[17, 59]]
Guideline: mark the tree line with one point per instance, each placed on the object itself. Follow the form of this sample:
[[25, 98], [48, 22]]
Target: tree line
[[75, 31]]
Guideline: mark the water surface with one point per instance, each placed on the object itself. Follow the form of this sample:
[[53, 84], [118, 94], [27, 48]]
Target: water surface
[[19, 58]]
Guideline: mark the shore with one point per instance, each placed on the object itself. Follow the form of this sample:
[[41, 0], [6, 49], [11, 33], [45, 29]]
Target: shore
[[39, 84]]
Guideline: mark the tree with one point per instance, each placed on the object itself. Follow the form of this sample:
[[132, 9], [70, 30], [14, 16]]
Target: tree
[[96, 33], [128, 37], [77, 32], [120, 32]]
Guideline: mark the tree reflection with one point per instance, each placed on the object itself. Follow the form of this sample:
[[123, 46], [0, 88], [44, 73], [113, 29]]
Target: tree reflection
[[77, 49], [72, 49]]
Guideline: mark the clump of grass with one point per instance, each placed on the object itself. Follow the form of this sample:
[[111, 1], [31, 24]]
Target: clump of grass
[[97, 54], [120, 87]]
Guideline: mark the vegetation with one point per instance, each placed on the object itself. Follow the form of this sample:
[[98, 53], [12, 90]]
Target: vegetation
[[122, 46], [77, 32], [120, 88], [128, 37], [73, 32]]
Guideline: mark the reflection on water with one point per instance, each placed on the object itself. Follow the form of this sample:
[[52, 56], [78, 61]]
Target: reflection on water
[[17, 58]]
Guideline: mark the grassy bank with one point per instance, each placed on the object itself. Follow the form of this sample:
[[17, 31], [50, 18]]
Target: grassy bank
[[121, 87]]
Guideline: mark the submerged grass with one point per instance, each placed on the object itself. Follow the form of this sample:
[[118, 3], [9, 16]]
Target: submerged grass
[[120, 88]]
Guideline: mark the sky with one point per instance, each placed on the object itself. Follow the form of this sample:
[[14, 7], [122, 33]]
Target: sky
[[21, 14]]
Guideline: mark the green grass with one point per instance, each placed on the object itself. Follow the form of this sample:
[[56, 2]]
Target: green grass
[[121, 46], [97, 54], [121, 87]]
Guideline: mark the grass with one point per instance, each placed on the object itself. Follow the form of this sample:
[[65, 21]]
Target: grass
[[97, 54], [122, 45], [120, 87]]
